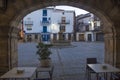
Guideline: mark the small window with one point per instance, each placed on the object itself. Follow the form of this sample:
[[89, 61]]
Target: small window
[[63, 19], [44, 19], [62, 28], [45, 12], [49, 18], [44, 29], [63, 13], [29, 27], [87, 27]]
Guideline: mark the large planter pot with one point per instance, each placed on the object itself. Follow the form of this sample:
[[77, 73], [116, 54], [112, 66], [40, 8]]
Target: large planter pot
[[45, 63]]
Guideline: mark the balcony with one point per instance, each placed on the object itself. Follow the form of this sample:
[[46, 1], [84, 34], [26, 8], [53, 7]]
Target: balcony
[[45, 22], [97, 28], [64, 22], [28, 22]]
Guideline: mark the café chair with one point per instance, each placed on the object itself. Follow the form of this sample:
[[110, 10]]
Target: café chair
[[48, 72], [101, 78], [115, 76], [89, 70]]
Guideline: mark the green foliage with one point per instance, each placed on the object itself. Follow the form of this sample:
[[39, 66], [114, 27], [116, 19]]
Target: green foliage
[[43, 50]]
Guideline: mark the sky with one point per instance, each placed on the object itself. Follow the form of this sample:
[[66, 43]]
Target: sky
[[78, 11]]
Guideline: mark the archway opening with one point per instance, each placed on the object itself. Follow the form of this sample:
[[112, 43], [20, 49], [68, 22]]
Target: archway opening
[[60, 53], [16, 10]]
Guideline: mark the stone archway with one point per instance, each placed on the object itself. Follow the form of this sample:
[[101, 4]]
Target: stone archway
[[17, 9]]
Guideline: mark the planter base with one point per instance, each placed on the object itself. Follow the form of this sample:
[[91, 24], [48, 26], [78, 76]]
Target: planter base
[[45, 63]]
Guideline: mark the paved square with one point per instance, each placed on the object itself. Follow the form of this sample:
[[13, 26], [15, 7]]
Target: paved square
[[69, 61]]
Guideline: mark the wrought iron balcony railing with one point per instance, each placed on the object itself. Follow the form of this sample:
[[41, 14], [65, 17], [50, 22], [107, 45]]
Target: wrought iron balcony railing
[[28, 22], [45, 22], [65, 22]]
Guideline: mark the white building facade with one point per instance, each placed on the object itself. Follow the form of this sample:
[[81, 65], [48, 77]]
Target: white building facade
[[49, 24], [88, 28]]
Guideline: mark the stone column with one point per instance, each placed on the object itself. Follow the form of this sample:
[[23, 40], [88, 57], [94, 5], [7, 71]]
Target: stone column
[[117, 51], [117, 46], [109, 48], [109, 41], [8, 48], [13, 46], [4, 49], [112, 46]]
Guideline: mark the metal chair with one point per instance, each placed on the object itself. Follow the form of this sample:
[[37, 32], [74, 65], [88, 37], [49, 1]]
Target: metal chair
[[48, 70], [115, 76], [89, 70]]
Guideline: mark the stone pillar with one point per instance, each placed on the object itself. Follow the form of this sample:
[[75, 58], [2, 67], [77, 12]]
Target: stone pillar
[[117, 51], [117, 45], [112, 46], [109, 48], [4, 49], [8, 48], [13, 44]]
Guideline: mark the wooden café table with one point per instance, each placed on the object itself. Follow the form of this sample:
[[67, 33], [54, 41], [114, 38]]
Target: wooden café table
[[13, 73], [103, 68]]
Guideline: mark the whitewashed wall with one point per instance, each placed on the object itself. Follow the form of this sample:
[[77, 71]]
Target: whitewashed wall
[[55, 16]]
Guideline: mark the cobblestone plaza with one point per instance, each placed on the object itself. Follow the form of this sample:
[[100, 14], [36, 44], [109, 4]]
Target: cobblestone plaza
[[69, 62]]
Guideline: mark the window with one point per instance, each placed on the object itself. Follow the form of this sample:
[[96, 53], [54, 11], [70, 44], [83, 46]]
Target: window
[[69, 36], [29, 37], [44, 29], [87, 27], [29, 21], [44, 19], [63, 19], [45, 12], [29, 27], [36, 36], [49, 18], [62, 28], [63, 13]]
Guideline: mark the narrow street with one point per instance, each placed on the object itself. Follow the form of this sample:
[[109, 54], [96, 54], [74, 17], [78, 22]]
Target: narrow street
[[69, 62]]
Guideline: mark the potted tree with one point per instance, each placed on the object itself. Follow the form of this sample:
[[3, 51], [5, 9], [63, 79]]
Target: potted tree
[[43, 53]]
